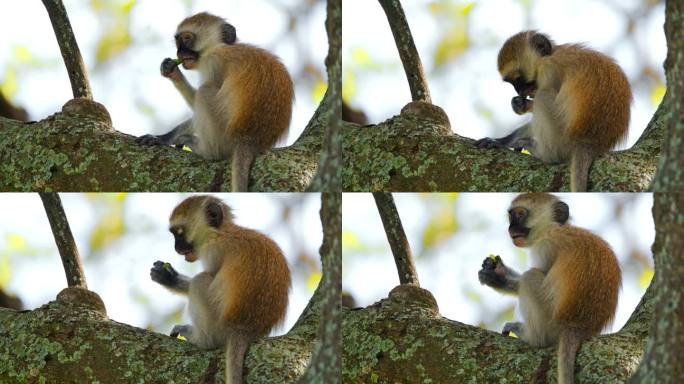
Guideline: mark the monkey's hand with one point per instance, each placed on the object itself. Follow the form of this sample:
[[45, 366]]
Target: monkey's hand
[[493, 273], [521, 105], [169, 69], [164, 274]]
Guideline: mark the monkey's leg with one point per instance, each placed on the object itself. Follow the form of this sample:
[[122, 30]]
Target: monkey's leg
[[580, 162], [164, 274], [538, 328], [243, 157], [179, 136], [496, 274], [518, 139], [202, 306], [237, 345]]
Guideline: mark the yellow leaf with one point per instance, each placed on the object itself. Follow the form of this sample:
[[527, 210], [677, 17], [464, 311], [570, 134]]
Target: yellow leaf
[[645, 278], [466, 8], [5, 270], [186, 148], [348, 85], [319, 90], [22, 54], [439, 228], [525, 152], [350, 240], [9, 86], [16, 243], [127, 6], [312, 281], [108, 230], [112, 43], [361, 56], [657, 94]]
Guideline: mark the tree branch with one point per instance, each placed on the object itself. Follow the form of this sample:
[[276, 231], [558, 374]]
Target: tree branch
[[407, 50], [417, 151], [401, 250], [670, 176], [326, 362], [78, 74], [328, 176], [66, 244]]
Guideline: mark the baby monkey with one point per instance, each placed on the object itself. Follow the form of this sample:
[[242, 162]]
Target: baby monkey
[[579, 99], [243, 105], [570, 294], [242, 292]]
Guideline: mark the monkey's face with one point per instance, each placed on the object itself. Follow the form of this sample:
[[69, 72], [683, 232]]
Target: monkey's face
[[517, 229], [182, 245], [523, 87], [196, 34], [185, 44]]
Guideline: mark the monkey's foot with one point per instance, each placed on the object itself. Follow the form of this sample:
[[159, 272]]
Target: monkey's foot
[[181, 330], [149, 140], [164, 274], [493, 272], [512, 327], [488, 143]]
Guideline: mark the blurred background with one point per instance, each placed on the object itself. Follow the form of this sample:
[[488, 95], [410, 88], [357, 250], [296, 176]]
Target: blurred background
[[451, 234], [119, 236], [123, 42], [458, 41]]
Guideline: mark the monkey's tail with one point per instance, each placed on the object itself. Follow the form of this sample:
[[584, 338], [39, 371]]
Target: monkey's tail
[[568, 346], [243, 156], [236, 347], [579, 168]]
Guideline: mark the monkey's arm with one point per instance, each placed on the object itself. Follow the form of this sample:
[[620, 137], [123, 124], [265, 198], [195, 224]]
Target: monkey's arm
[[496, 274], [169, 69], [164, 274], [520, 139]]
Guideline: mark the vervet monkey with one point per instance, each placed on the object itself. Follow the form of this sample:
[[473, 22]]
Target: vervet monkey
[[579, 99], [570, 294], [244, 103], [242, 292]]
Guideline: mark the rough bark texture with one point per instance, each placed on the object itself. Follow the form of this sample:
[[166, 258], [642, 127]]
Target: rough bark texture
[[417, 151], [76, 150], [78, 75], [70, 340], [670, 172], [662, 362], [404, 339], [68, 251], [326, 362], [396, 237], [408, 53], [328, 177]]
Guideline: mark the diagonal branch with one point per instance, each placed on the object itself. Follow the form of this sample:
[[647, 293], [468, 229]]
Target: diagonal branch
[[407, 50], [328, 176], [403, 257], [64, 239], [78, 75]]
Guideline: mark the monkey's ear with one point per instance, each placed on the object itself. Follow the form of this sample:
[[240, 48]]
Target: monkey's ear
[[541, 43], [228, 34], [561, 212], [214, 214]]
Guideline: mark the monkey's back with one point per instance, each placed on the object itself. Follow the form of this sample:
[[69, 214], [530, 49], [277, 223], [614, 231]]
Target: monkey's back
[[584, 280], [260, 92], [594, 96], [257, 281]]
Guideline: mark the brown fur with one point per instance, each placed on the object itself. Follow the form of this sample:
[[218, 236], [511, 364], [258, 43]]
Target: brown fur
[[571, 292], [245, 100], [582, 100], [243, 292]]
